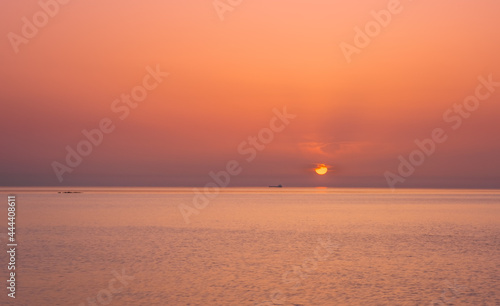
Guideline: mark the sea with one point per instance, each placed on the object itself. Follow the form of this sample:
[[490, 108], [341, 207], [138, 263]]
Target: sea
[[251, 246]]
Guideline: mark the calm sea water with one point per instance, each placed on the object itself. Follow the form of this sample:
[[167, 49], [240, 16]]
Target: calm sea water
[[248, 246]]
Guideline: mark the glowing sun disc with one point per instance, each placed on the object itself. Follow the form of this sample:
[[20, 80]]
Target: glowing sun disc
[[322, 169]]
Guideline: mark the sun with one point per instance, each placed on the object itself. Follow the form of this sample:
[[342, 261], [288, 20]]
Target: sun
[[321, 169]]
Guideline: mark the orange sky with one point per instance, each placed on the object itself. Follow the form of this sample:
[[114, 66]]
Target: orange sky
[[226, 77]]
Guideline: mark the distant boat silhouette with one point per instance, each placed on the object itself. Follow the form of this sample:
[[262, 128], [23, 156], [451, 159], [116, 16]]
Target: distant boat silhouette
[[278, 186]]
